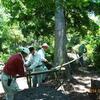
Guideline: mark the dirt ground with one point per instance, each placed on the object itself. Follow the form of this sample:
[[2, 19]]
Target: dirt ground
[[78, 88]]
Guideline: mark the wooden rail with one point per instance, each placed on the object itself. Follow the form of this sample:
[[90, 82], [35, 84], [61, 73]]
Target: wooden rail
[[55, 69]]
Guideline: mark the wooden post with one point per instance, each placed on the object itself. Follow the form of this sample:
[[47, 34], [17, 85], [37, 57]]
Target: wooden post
[[95, 89], [29, 79]]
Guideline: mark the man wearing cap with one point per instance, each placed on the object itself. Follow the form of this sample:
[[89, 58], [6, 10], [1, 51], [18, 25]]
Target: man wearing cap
[[13, 67], [41, 53]]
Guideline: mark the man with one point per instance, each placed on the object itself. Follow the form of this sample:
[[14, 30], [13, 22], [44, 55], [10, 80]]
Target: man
[[13, 67], [34, 64], [41, 53], [82, 49]]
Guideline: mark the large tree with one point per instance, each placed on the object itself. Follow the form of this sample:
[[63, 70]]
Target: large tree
[[37, 16], [60, 34], [60, 37]]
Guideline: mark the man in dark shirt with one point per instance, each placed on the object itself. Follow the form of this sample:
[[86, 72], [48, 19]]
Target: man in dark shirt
[[82, 49], [13, 67]]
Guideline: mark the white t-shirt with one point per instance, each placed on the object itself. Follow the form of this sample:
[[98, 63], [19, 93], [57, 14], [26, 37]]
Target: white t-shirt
[[41, 53]]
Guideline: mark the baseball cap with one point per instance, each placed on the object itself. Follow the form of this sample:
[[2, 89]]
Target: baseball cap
[[25, 50]]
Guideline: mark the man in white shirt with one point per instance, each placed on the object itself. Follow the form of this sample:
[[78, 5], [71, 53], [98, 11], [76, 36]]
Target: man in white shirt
[[34, 64], [41, 53]]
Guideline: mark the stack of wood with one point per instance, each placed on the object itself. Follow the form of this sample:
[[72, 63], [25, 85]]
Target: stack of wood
[[95, 89]]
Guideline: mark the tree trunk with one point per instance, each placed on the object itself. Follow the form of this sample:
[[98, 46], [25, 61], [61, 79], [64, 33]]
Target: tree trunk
[[60, 34], [60, 37]]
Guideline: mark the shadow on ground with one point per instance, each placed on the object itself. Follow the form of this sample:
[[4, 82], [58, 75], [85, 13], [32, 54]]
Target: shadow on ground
[[41, 93]]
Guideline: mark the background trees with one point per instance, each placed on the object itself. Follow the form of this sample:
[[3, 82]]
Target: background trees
[[33, 21]]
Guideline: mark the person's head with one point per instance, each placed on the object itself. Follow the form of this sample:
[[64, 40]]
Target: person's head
[[24, 51], [31, 49], [45, 46]]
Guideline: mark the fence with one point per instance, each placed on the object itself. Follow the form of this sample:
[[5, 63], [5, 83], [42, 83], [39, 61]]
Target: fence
[[55, 69]]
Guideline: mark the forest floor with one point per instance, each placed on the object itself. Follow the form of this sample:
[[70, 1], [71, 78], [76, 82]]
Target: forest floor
[[78, 88]]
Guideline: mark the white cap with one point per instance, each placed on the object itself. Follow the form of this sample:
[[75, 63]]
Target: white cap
[[45, 45], [25, 50]]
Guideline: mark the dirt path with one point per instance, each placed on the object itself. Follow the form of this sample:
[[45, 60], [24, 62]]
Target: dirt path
[[76, 89]]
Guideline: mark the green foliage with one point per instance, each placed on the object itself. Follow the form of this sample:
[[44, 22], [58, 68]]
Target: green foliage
[[38, 16], [92, 41], [10, 37], [50, 54], [4, 28], [75, 39], [23, 22], [77, 16], [96, 56], [33, 16], [4, 57]]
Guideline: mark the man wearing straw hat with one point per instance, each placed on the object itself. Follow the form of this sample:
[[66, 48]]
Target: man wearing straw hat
[[41, 53]]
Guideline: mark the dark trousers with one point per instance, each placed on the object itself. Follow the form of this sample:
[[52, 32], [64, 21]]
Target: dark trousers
[[81, 59]]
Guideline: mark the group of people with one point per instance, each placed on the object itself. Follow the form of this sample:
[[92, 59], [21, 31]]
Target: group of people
[[27, 60], [17, 64]]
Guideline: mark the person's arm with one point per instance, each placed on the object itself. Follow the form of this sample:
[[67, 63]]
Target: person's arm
[[42, 56], [28, 62]]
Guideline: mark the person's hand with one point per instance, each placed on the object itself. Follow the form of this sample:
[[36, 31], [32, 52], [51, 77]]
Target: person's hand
[[29, 69], [45, 60], [26, 73]]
